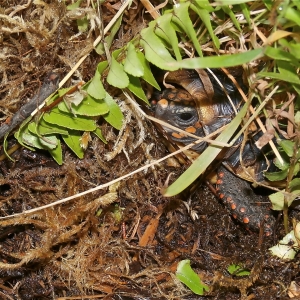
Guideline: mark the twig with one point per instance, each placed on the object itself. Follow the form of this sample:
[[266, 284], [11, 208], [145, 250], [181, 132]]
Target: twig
[[59, 99], [49, 86], [151, 9]]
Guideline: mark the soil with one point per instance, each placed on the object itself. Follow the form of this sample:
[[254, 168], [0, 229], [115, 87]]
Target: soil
[[123, 241]]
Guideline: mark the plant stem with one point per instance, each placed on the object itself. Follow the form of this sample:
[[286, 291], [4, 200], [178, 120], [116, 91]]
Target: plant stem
[[290, 176]]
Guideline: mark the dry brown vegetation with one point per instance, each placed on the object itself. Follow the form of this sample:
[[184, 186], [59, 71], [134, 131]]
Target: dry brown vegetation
[[121, 242]]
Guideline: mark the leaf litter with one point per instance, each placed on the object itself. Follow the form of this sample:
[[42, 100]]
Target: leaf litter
[[121, 242]]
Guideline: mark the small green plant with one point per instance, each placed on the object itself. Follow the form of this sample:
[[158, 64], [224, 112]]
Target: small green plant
[[188, 276], [237, 270]]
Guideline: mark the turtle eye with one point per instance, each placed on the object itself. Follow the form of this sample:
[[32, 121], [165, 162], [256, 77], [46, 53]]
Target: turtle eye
[[186, 116]]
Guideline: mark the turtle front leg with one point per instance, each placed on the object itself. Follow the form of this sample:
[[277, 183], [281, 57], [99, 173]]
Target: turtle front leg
[[240, 199]]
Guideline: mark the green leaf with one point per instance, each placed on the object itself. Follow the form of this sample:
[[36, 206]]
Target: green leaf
[[276, 176], [292, 15], [136, 88], [246, 13], [33, 140], [269, 4], [238, 270], [119, 53], [60, 93], [88, 107], [231, 14], [74, 5], [296, 169], [114, 117], [232, 2], [204, 4], [272, 75], [188, 276], [102, 66], [73, 142], [205, 17], [277, 200], [294, 48], [56, 153], [5, 145], [155, 50], [148, 76], [166, 31], [279, 54], [282, 166], [99, 134], [19, 134], [221, 61], [287, 146], [297, 119], [205, 159], [83, 24], [49, 142], [67, 120], [132, 64], [288, 71], [295, 184], [182, 18], [116, 75], [297, 88], [95, 87], [296, 2], [42, 128], [118, 213], [46, 129], [110, 37]]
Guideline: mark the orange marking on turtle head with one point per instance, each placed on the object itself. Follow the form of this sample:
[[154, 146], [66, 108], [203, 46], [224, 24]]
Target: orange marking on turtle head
[[171, 95], [191, 129], [163, 103], [233, 206], [183, 95], [8, 120], [198, 125], [176, 135]]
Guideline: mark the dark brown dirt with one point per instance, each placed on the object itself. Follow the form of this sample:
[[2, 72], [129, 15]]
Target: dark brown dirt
[[84, 249]]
